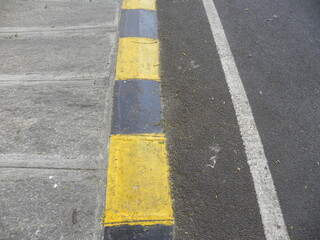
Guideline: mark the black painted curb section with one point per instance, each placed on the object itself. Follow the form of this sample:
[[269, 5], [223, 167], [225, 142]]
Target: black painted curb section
[[137, 107], [138, 23], [137, 232]]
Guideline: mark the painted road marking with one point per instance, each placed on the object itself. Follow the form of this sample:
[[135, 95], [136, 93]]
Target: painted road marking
[[138, 190], [145, 19], [138, 58], [138, 202], [136, 107], [155, 232], [270, 210], [139, 4]]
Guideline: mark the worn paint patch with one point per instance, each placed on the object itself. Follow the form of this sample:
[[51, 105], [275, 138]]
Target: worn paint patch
[[137, 107], [138, 58], [138, 23], [139, 4], [137, 232], [137, 187]]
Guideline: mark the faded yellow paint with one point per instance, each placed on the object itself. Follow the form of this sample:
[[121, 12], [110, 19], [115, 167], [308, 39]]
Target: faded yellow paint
[[139, 4], [138, 58], [137, 185]]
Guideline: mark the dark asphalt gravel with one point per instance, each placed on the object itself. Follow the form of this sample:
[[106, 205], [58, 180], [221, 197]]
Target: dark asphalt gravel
[[276, 45]]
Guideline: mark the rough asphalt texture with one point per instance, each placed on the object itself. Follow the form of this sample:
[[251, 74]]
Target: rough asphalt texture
[[56, 83], [209, 202], [276, 48]]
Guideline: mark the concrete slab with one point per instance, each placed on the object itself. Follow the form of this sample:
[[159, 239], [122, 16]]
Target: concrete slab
[[62, 120], [31, 15], [82, 52], [48, 204], [57, 61]]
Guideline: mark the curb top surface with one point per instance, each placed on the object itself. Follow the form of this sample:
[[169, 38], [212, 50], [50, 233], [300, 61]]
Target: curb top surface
[[138, 201]]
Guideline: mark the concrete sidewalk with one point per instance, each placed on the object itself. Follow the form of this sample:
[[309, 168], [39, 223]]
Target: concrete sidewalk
[[56, 75]]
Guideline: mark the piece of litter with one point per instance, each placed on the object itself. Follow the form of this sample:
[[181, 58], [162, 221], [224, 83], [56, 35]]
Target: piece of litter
[[193, 64]]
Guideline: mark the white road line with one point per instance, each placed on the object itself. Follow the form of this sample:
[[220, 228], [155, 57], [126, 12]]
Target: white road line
[[270, 210]]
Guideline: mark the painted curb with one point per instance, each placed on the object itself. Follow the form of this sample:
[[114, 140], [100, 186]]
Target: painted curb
[[138, 202], [137, 107]]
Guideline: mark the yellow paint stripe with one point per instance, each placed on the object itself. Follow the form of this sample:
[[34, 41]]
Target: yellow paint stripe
[[139, 4], [138, 58], [137, 186]]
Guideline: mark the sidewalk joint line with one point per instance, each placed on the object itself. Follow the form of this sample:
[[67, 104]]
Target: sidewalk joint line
[[53, 168]]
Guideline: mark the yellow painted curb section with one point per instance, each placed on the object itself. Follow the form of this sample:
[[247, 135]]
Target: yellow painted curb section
[[137, 187], [138, 58], [139, 4]]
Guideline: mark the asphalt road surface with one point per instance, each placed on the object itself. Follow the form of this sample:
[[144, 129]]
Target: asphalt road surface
[[276, 48]]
